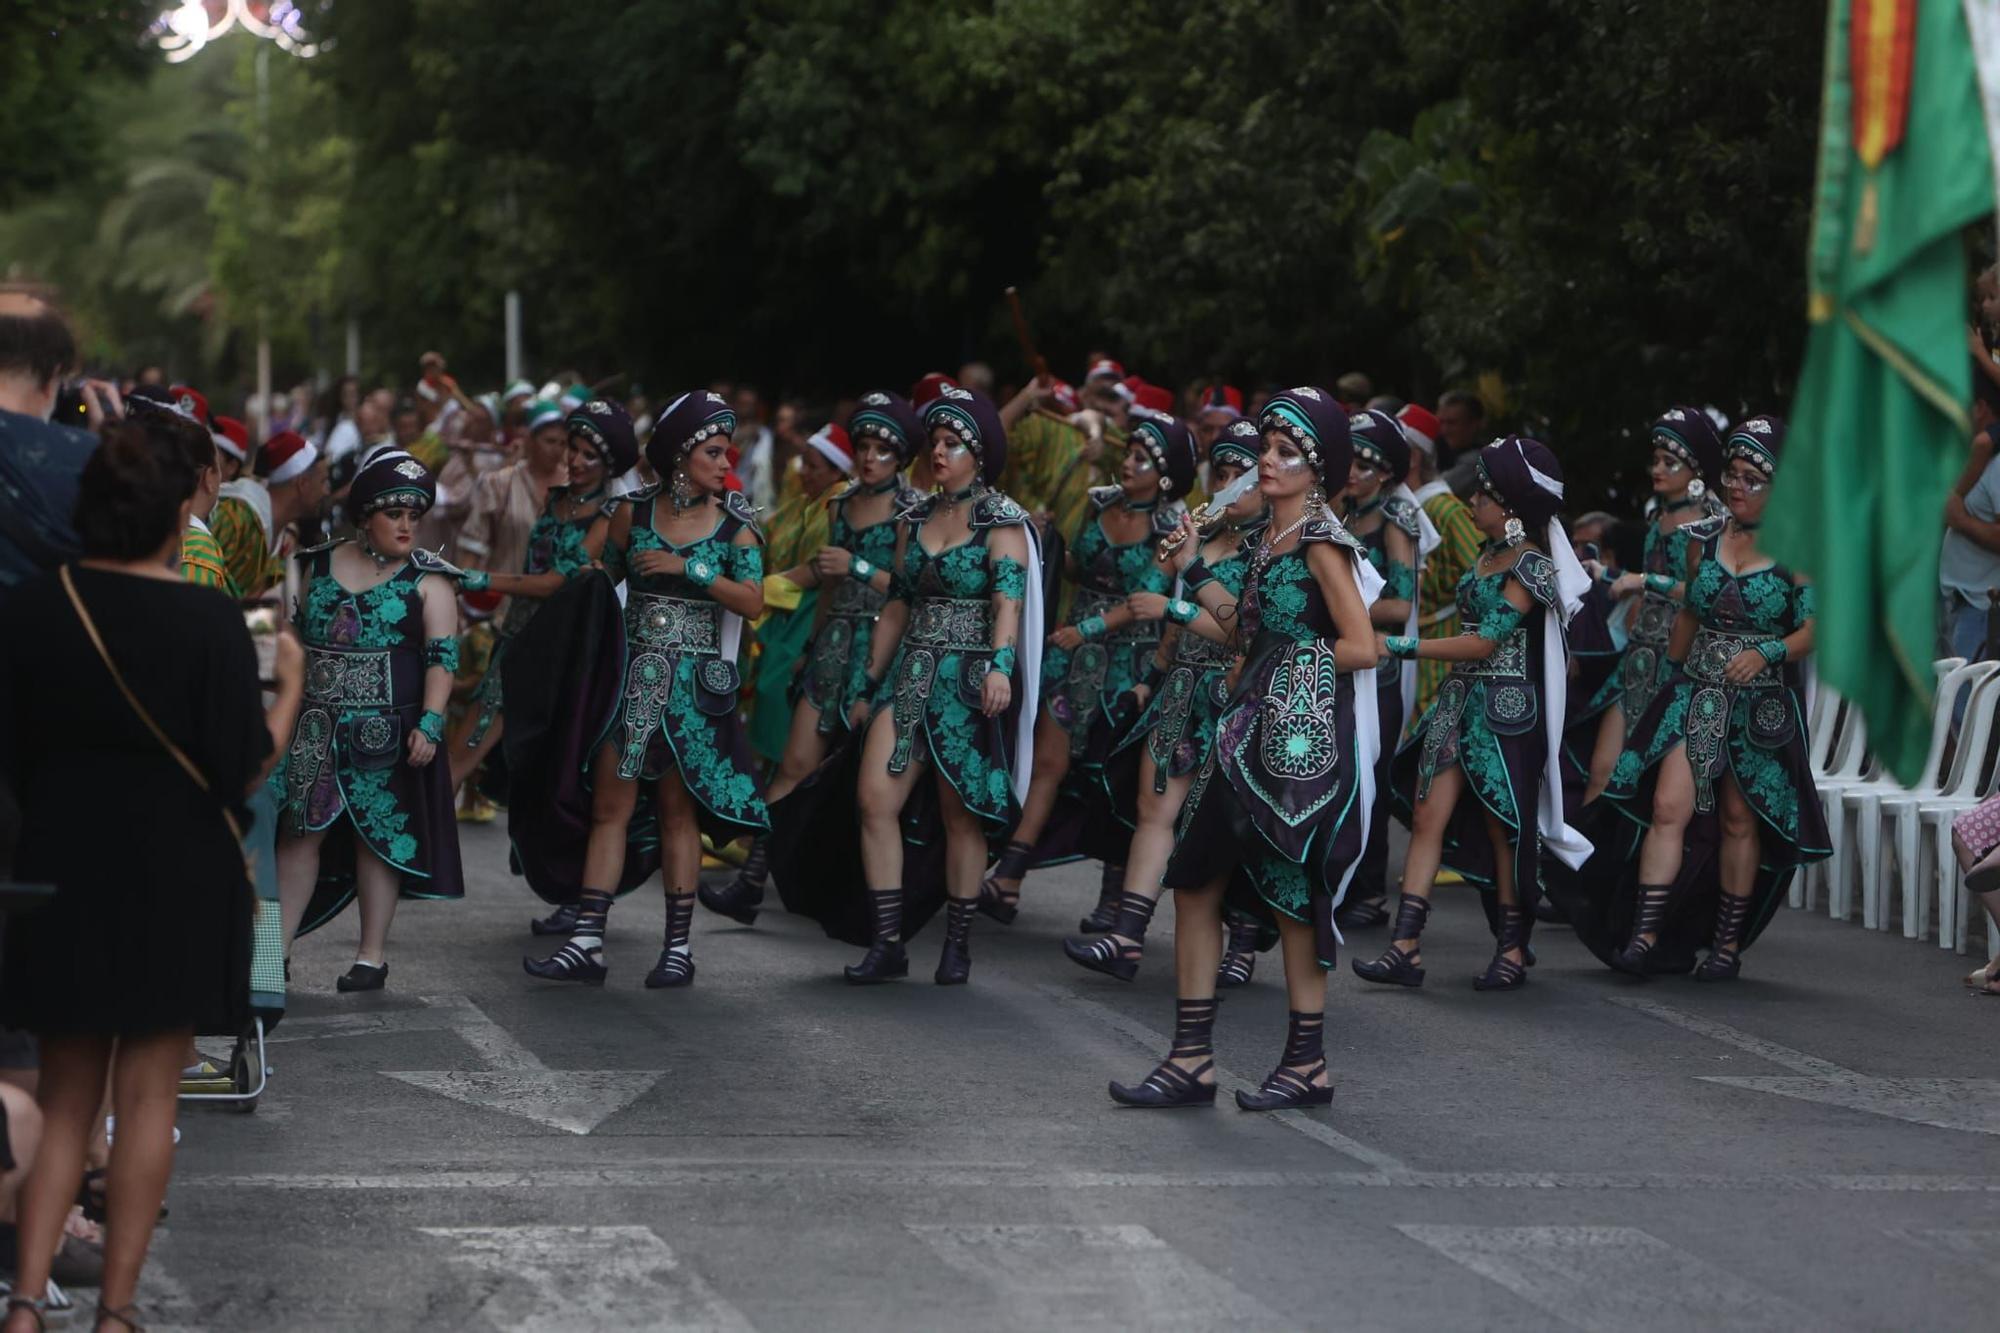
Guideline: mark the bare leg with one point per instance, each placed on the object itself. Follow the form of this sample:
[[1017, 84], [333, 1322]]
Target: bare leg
[[1304, 1060], [298, 875], [612, 800], [964, 844], [1673, 806], [24, 1138], [680, 836], [1187, 1076], [1741, 850], [1051, 767], [466, 759], [142, 1159], [881, 799], [805, 750], [1118, 953], [1604, 754], [1428, 823], [379, 888], [1503, 879], [72, 1090]]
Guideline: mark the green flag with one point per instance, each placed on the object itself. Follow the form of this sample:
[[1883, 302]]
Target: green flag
[[1881, 426]]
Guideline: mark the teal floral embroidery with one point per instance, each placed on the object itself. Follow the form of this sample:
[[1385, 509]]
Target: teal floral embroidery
[[1281, 591], [1010, 578], [1284, 885], [382, 823]]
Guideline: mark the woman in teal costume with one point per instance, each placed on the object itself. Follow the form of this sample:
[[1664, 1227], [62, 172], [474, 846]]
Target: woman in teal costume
[[1480, 779], [365, 808], [696, 575], [1686, 468], [1280, 813], [1092, 662], [569, 538], [954, 668], [1182, 693], [1716, 771], [830, 698]]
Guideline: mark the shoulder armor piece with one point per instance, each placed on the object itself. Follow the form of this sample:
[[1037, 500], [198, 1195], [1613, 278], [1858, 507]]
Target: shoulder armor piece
[[906, 496], [1327, 528], [1402, 514], [1706, 528], [1103, 497], [309, 551], [1537, 574], [1167, 518], [737, 506], [640, 496], [433, 563], [994, 510], [914, 506]]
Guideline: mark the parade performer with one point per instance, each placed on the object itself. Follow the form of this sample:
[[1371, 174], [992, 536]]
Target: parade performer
[[568, 537], [796, 532], [1480, 778], [955, 671], [1686, 469], [252, 519], [1281, 810], [1095, 659], [1384, 516], [202, 560], [1716, 769], [1185, 689], [1437, 589], [696, 574], [364, 805], [853, 570]]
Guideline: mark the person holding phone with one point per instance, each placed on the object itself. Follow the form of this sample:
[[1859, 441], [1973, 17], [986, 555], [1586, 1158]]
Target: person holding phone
[[116, 676]]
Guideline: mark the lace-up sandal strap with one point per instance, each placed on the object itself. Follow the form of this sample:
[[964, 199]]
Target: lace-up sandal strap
[[1173, 1081], [1194, 1029], [127, 1316], [570, 962], [1725, 958], [1305, 1039], [1654, 899], [885, 913], [1503, 973], [1412, 914], [1105, 954], [1238, 966], [1290, 1082], [39, 1309]]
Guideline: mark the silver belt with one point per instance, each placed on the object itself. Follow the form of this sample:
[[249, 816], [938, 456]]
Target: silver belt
[[1090, 602], [1714, 650], [1509, 659], [674, 624], [855, 597], [357, 680], [954, 624]]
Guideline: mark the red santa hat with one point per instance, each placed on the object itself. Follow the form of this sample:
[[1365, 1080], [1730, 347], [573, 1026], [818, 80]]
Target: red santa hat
[[285, 457], [930, 387], [192, 402], [233, 438], [1224, 398], [832, 444], [1152, 397], [1064, 395], [1421, 426], [1104, 369]]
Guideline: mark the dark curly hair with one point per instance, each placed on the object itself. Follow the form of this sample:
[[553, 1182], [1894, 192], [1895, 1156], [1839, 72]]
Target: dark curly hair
[[128, 501]]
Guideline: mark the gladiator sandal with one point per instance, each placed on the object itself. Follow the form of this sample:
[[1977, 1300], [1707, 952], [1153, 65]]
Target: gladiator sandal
[[562, 921], [740, 898], [1363, 914], [1239, 958], [1108, 953], [1395, 967], [1170, 1085], [1291, 1083], [128, 1316], [1103, 916], [1503, 973], [1003, 905], [885, 959], [1654, 899], [39, 1309], [676, 965], [955, 962], [1725, 957], [581, 958]]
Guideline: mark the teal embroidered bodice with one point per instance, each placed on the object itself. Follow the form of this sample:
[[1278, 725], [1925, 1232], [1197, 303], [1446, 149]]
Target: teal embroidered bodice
[[1764, 601], [389, 615], [745, 564]]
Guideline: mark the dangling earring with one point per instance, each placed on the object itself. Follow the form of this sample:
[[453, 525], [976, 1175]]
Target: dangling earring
[[1316, 502], [1513, 532], [685, 495], [1697, 488]]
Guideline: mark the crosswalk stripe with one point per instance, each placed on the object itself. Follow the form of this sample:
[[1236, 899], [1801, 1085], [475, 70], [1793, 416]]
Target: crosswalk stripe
[[548, 1278]]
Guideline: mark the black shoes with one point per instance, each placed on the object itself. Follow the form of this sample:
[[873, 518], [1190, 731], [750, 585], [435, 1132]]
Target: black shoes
[[1285, 1088], [675, 969], [1105, 954], [562, 921], [1503, 973], [1394, 967], [363, 976], [1003, 905], [1364, 914], [1167, 1087], [884, 961], [569, 963], [955, 962], [1633, 959], [1725, 959], [738, 900], [1239, 957]]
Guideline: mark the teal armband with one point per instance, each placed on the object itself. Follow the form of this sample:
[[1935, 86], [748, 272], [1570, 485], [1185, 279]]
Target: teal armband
[[431, 725], [1400, 645], [701, 571], [475, 580], [1003, 661], [860, 569], [1091, 628], [1181, 611], [1659, 583], [1772, 650], [442, 652]]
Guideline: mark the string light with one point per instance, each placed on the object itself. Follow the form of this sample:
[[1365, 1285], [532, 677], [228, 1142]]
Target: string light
[[183, 31]]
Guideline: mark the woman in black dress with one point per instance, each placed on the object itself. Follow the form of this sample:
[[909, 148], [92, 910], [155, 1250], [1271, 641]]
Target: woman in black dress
[[147, 938]]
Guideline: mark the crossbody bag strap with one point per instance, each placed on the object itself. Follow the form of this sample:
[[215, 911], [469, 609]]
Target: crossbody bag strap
[[118, 679]]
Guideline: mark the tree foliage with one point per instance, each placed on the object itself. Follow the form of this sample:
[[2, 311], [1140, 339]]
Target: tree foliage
[[1591, 210]]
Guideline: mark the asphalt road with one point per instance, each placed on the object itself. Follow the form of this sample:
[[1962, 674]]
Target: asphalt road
[[470, 1149]]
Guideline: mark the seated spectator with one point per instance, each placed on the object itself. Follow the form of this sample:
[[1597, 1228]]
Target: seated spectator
[[1969, 565]]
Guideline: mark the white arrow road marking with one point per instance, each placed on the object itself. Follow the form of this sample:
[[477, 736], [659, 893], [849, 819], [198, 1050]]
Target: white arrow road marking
[[545, 1279], [1969, 1104], [1082, 1277], [1980, 1248], [515, 1082], [1618, 1279]]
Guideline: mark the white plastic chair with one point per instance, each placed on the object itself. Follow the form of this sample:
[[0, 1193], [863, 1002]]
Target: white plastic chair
[[1868, 856], [1923, 823], [1822, 730], [1851, 765]]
